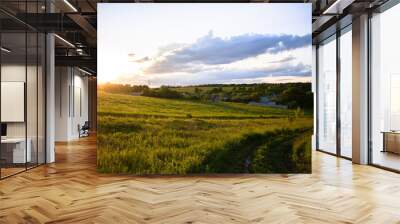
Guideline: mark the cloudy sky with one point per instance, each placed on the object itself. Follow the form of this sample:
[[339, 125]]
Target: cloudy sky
[[188, 44]]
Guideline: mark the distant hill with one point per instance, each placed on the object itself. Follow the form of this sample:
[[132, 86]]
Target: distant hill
[[290, 95]]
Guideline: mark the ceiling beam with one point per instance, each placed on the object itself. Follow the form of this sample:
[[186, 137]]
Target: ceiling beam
[[84, 24], [320, 22], [338, 6], [79, 61]]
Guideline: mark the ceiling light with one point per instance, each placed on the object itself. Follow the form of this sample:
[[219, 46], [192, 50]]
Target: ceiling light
[[5, 50], [79, 51], [84, 71], [338, 6], [331, 7], [70, 5], [65, 41]]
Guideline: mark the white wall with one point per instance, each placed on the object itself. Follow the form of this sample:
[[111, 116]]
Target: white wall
[[80, 110], [16, 73], [62, 82], [12, 73], [33, 126], [71, 102]]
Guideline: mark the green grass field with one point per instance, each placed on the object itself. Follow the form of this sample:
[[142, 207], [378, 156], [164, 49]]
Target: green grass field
[[146, 135]]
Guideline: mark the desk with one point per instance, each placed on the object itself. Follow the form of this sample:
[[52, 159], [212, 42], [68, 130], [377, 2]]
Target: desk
[[13, 150], [391, 141]]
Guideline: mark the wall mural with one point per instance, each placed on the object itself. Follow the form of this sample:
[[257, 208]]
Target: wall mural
[[204, 88]]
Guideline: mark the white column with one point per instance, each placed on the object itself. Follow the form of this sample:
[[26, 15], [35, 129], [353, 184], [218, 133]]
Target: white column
[[360, 90], [50, 98]]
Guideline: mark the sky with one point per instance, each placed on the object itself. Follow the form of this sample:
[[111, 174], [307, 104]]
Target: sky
[[190, 44]]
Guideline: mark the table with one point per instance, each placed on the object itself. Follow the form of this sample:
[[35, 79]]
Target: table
[[391, 141], [13, 150]]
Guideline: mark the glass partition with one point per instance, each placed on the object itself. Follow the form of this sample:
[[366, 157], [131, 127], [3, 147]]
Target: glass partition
[[346, 93], [327, 95], [41, 97], [385, 89], [13, 94], [22, 107], [31, 98]]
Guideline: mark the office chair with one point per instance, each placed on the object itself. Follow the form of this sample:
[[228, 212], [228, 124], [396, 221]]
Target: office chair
[[84, 130]]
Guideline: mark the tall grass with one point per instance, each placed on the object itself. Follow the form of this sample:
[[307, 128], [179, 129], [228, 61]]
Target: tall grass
[[144, 135]]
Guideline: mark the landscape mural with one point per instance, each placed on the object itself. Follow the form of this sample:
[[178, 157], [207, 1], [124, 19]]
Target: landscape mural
[[200, 91]]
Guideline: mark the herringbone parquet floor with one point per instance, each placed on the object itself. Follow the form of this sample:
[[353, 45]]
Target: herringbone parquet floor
[[71, 191]]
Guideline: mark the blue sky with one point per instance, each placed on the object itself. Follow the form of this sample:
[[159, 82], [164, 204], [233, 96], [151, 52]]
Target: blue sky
[[189, 44]]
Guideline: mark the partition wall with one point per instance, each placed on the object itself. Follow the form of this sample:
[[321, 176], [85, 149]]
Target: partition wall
[[385, 89], [334, 73], [22, 77], [47, 75], [327, 79], [345, 91], [367, 80]]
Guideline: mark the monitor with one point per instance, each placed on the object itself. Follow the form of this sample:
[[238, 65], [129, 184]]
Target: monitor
[[3, 129]]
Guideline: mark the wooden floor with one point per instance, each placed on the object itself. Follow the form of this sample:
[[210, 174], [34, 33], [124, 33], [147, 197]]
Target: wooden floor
[[387, 159], [5, 172], [71, 191]]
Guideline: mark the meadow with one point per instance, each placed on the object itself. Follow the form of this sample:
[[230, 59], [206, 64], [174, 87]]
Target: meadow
[[148, 135]]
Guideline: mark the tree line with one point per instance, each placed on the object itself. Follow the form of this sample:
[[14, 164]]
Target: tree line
[[293, 95]]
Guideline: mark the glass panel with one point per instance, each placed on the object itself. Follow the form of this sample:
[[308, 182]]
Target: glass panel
[[13, 86], [41, 98], [31, 98], [23, 90], [346, 94], [314, 86], [327, 96], [32, 88], [385, 84]]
